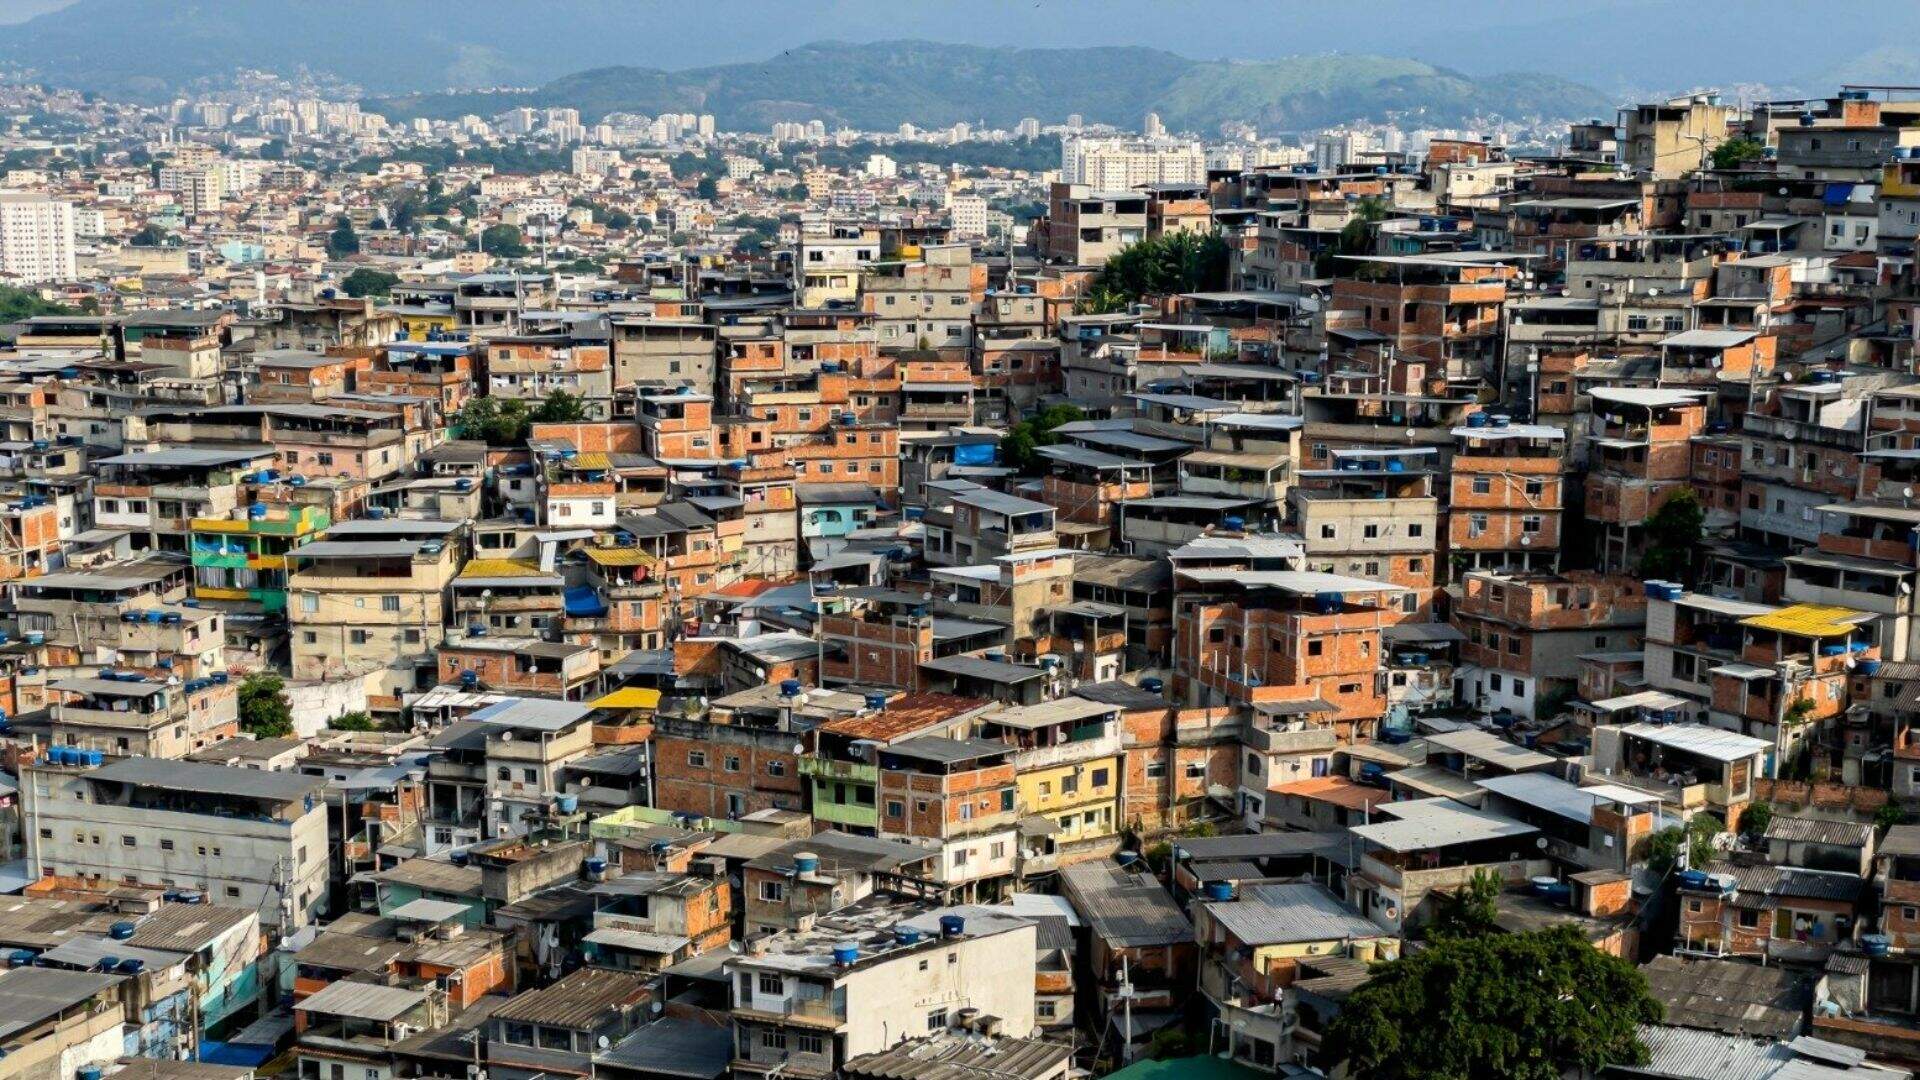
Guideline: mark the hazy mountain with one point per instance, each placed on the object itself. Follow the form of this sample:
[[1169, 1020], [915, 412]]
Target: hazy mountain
[[879, 85]]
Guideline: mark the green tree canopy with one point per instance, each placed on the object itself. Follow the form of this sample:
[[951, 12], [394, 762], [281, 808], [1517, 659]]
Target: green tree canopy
[[1467, 911], [16, 304], [495, 421], [1530, 1006], [342, 240], [617, 220], [504, 241], [707, 188], [1174, 263], [1737, 151], [368, 282], [560, 407], [1673, 534], [150, 235], [265, 711], [1018, 445], [354, 721]]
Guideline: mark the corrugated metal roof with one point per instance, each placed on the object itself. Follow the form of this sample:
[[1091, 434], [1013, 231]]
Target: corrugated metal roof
[[1125, 910], [1290, 913], [1804, 830], [363, 1001], [580, 1001]]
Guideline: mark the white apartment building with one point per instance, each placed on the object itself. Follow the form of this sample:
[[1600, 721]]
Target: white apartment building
[[969, 214], [243, 837], [36, 237], [1123, 164]]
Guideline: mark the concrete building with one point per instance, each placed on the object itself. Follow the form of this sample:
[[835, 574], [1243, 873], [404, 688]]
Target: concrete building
[[36, 238]]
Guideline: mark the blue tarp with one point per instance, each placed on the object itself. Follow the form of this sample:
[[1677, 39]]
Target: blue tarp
[[245, 1055], [1837, 194], [582, 600], [974, 454]]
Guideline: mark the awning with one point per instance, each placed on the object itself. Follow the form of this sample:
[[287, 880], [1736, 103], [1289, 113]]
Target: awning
[[583, 601], [1038, 826]]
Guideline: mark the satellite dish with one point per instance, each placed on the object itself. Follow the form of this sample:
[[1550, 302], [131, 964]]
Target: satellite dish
[[1526, 541], [799, 748], [603, 1042], [506, 736], [1906, 492], [1541, 843]]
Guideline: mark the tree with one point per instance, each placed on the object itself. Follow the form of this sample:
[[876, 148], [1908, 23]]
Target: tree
[[495, 421], [1888, 816], [1356, 236], [150, 235], [1737, 151], [1673, 535], [1018, 445], [342, 240], [1467, 911], [1755, 821], [17, 304], [504, 241], [617, 220], [1529, 1006], [265, 711], [354, 721], [367, 282], [707, 188], [1175, 263], [1663, 848], [560, 407]]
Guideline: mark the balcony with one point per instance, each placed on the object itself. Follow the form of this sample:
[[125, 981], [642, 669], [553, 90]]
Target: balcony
[[828, 769], [810, 1012]]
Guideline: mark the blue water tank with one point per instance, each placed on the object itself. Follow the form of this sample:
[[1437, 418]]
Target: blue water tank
[[131, 966], [952, 926], [567, 804], [1869, 667], [907, 935], [1153, 684], [121, 931], [22, 958], [596, 867], [806, 862], [845, 955], [257, 510], [94, 759], [1876, 944], [876, 701], [88, 1072], [789, 687], [1233, 523], [1219, 890]]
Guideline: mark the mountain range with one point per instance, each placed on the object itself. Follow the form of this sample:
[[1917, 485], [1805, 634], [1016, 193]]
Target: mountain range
[[879, 85], [421, 58]]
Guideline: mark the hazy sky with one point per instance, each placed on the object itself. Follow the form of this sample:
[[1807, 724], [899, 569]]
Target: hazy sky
[[1608, 43]]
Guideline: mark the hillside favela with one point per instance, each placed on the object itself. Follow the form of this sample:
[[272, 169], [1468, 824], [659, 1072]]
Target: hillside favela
[[980, 541]]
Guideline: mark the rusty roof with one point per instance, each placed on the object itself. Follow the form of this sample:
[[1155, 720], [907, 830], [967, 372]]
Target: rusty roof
[[905, 716]]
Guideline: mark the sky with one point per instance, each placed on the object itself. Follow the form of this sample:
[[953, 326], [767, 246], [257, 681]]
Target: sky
[[1609, 44]]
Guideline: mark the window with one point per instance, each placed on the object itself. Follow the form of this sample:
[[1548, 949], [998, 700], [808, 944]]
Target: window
[[1156, 770], [128, 841], [1328, 532], [896, 808], [1536, 488], [809, 1044], [697, 759], [773, 892], [733, 763], [776, 768], [1483, 485], [1043, 1010], [1370, 531], [359, 637], [1315, 647], [937, 1020], [389, 603], [1416, 529], [1749, 918], [773, 1039]]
